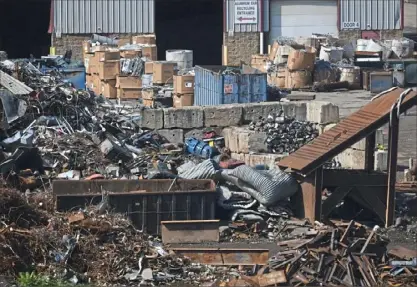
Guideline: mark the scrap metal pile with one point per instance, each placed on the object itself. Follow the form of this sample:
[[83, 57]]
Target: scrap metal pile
[[285, 134], [340, 254], [54, 130], [86, 246]]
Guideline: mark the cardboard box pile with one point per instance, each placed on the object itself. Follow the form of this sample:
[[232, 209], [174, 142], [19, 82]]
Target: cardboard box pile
[[295, 66], [129, 87], [102, 68], [163, 72], [183, 91]]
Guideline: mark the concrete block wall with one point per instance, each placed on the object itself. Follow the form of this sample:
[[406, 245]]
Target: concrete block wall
[[241, 47], [192, 120], [231, 121]]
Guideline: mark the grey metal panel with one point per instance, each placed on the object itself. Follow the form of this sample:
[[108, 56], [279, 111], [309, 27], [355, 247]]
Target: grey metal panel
[[13, 85], [104, 16], [372, 14], [230, 18]]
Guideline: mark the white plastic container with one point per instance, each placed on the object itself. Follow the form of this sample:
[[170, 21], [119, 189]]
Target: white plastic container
[[183, 58]]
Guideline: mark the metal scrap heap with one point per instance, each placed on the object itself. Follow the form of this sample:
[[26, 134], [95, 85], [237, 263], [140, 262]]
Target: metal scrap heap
[[285, 134], [340, 254]]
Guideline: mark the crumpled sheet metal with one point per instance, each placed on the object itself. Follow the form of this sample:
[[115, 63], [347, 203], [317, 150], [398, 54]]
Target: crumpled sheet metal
[[268, 187], [205, 170]]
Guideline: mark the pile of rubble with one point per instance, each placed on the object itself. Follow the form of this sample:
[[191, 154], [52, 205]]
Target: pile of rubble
[[86, 246]]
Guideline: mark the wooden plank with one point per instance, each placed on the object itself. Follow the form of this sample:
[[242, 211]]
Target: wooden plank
[[190, 231]]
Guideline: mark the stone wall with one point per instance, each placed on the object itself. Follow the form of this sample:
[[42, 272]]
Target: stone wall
[[241, 46], [353, 35], [74, 42]]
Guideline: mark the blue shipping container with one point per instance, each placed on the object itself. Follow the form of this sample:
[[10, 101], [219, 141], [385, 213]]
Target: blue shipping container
[[217, 85]]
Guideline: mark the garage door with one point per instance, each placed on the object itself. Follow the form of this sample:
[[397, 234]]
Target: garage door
[[302, 18]]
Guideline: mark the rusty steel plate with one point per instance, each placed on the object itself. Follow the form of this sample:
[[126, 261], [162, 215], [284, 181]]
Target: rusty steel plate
[[225, 256], [352, 129]]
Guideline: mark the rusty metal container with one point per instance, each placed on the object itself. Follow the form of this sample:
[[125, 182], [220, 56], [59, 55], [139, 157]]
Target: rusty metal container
[[145, 202]]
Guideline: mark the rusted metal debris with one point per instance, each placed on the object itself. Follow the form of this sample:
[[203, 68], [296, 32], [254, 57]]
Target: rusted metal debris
[[349, 131], [190, 231], [341, 255], [224, 256]]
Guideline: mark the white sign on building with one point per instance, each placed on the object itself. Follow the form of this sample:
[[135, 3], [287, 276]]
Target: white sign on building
[[246, 11]]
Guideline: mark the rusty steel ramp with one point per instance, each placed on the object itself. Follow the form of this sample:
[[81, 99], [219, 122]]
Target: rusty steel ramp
[[352, 129]]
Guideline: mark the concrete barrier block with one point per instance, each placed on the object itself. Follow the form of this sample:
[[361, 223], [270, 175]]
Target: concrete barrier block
[[194, 133], [256, 142], [231, 140], [173, 135], [381, 160], [297, 110], [352, 159], [186, 118], [322, 112], [252, 112], [223, 116], [238, 156], [152, 119], [243, 136]]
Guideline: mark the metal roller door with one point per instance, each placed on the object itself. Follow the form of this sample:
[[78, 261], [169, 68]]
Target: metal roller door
[[302, 18]]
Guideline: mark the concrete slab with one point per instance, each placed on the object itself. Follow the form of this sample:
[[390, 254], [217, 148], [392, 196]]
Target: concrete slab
[[322, 112], [185, 118], [252, 112], [223, 116], [152, 119]]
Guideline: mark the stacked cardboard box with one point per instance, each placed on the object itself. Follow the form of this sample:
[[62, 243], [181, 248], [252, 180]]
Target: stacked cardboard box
[[144, 39], [183, 91], [128, 87], [298, 61], [163, 72], [260, 62], [102, 68]]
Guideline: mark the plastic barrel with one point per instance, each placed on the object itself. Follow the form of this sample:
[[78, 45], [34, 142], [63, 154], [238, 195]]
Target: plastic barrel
[[198, 148]]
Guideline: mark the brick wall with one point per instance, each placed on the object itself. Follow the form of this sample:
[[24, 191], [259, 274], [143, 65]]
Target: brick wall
[[240, 47], [74, 42]]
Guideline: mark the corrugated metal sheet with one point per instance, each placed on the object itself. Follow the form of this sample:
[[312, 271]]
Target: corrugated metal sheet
[[13, 85], [371, 14], [104, 16], [212, 87], [230, 18], [349, 131]]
